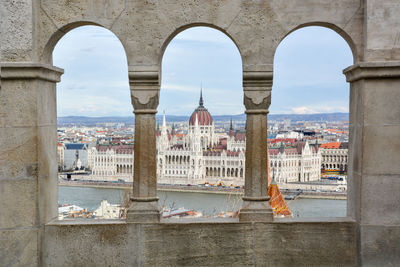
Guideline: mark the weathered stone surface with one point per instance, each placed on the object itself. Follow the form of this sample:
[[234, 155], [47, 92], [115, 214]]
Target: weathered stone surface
[[18, 203], [197, 245], [16, 30], [47, 175], [201, 244], [381, 146], [379, 97], [380, 245], [18, 103], [380, 194], [19, 247], [18, 155], [382, 42], [305, 244], [47, 104], [92, 245], [354, 196], [64, 12]]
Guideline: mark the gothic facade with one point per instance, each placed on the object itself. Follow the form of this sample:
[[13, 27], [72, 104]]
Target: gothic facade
[[299, 164], [203, 157], [112, 162]]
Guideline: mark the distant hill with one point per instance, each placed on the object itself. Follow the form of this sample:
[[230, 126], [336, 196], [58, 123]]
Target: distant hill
[[90, 121]]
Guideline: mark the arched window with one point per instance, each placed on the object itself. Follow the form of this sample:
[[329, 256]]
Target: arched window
[[95, 84], [308, 79]]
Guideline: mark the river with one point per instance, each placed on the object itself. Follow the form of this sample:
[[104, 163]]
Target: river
[[207, 203]]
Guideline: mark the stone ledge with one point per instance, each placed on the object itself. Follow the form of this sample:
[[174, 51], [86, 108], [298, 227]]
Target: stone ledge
[[30, 70], [206, 244], [202, 221], [372, 70]]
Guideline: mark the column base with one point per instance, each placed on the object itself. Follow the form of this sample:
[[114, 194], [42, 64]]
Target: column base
[[256, 211], [143, 212]]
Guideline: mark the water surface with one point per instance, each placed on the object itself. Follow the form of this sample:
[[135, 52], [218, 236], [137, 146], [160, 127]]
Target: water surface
[[208, 204]]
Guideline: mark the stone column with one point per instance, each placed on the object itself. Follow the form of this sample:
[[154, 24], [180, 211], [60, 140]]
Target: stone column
[[374, 160], [145, 90], [28, 158], [257, 87]]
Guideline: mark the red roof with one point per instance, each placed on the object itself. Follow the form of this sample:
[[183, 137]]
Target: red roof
[[240, 136], [331, 145], [203, 116]]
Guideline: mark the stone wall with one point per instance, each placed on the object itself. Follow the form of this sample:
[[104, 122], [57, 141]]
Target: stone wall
[[202, 244], [29, 30]]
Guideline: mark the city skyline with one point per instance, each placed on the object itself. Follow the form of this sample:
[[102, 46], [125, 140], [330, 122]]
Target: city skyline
[[95, 83]]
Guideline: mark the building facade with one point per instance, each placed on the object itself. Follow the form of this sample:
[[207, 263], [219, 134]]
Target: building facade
[[200, 156], [334, 156], [111, 162], [203, 157], [301, 163]]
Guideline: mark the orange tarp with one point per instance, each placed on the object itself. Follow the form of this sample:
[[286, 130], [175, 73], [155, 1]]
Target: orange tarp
[[277, 200]]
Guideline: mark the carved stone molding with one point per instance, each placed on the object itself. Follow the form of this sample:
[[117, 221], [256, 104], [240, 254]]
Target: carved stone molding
[[257, 86], [372, 70], [143, 100], [145, 88], [30, 70]]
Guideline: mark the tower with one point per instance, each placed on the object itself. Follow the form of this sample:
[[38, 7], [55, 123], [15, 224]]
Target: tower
[[164, 142]]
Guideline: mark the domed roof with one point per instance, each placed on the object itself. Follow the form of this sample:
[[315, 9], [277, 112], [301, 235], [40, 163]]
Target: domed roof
[[203, 116]]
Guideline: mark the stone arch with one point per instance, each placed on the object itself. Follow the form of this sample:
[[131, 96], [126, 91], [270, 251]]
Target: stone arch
[[349, 40], [182, 28], [47, 53]]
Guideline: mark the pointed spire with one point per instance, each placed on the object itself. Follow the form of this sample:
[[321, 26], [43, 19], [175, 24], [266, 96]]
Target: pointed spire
[[231, 129], [282, 148], [273, 176], [164, 124], [173, 129], [201, 102]]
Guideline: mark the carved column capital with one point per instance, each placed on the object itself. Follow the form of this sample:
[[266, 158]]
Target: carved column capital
[[257, 86], [30, 70], [145, 89]]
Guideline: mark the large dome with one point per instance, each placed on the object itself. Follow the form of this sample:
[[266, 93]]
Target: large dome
[[203, 116]]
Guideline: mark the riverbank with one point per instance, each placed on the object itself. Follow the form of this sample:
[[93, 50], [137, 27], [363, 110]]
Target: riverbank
[[203, 189], [327, 195]]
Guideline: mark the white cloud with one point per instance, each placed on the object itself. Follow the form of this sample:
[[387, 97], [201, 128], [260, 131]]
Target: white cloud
[[321, 108], [303, 110], [204, 34]]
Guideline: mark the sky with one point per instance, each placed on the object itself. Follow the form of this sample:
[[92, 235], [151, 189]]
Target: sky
[[308, 75]]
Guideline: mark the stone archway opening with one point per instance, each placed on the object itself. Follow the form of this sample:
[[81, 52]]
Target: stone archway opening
[[201, 118], [309, 118], [95, 125]]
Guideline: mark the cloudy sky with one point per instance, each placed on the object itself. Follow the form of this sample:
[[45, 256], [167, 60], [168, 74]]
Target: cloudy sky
[[307, 73]]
